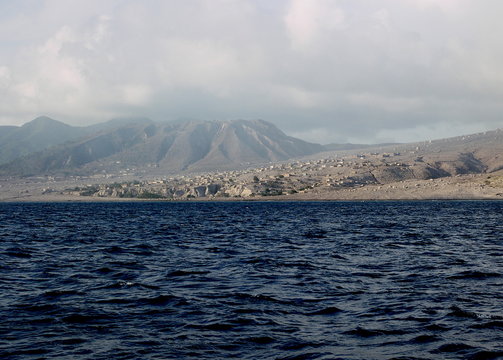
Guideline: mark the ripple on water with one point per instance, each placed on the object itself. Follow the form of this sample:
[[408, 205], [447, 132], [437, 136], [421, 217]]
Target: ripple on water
[[346, 280]]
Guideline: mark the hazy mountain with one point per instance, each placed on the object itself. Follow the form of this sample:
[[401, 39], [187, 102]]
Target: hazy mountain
[[116, 123], [6, 130], [168, 147], [349, 146], [203, 146], [39, 134], [44, 132]]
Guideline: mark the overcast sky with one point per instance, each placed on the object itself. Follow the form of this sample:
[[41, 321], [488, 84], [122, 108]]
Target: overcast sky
[[322, 70]]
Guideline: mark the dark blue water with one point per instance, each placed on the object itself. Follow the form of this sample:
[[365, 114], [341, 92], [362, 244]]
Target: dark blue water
[[351, 280]]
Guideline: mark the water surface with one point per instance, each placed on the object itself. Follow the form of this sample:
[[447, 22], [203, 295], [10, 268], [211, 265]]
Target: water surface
[[261, 280]]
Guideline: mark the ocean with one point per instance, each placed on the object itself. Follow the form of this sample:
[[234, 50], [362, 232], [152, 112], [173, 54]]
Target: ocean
[[252, 280]]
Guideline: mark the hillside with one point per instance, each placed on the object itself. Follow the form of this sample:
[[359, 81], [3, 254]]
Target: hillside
[[139, 146], [467, 167], [468, 154], [167, 147], [38, 134]]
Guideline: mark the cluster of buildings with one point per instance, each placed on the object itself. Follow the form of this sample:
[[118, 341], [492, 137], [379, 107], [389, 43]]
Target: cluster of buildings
[[268, 180]]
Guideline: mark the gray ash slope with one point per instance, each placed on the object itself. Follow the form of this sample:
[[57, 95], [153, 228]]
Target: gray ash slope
[[469, 154], [168, 147], [480, 153]]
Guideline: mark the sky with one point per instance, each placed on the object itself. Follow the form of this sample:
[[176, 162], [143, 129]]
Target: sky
[[327, 71]]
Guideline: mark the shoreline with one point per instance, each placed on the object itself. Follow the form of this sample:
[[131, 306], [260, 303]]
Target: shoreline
[[90, 199], [108, 201], [465, 187]]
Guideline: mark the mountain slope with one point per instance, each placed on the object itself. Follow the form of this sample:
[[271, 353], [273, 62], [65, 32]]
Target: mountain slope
[[168, 147], [6, 130], [36, 135], [350, 146]]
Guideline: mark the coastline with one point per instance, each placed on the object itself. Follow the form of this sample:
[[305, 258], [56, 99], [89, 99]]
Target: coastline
[[438, 189], [461, 187]]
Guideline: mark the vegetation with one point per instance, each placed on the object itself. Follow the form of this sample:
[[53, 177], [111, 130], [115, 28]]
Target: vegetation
[[149, 195], [271, 192], [90, 190]]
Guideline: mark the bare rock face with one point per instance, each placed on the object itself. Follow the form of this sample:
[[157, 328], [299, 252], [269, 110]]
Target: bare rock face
[[199, 191], [213, 189], [239, 191]]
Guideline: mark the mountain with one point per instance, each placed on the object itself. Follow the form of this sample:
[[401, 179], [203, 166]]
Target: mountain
[[44, 132], [38, 134], [45, 146], [350, 146], [116, 123], [6, 130], [167, 147]]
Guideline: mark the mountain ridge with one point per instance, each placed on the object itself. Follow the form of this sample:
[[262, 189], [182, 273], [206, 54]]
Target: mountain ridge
[[36, 135], [194, 145], [48, 146]]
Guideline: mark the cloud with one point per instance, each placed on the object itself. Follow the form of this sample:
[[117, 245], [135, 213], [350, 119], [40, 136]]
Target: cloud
[[201, 64], [391, 104], [317, 68], [307, 20], [135, 95], [5, 76], [444, 5]]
